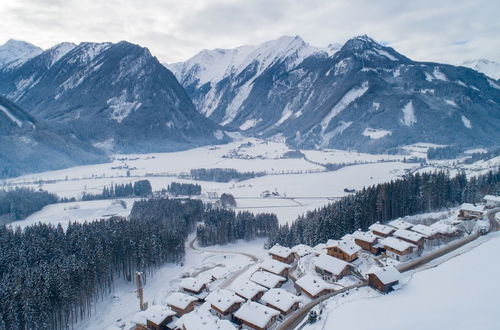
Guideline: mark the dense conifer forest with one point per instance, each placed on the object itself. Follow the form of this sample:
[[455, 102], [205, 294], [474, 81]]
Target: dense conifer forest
[[418, 193], [184, 189], [222, 174], [141, 188], [19, 203]]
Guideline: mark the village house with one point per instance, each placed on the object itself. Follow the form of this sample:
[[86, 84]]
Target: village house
[[256, 316], [445, 231], [249, 290], [398, 249], [331, 268], [156, 317], [282, 254], [218, 273], [367, 241], [320, 249], [384, 279], [282, 300], [470, 211], [410, 237], [275, 267], [194, 286], [199, 319], [181, 303], [427, 231], [400, 224], [301, 250], [224, 303], [381, 230], [492, 201], [313, 286], [345, 250], [267, 279]]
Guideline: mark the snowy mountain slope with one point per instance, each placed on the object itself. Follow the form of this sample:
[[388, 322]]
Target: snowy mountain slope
[[335, 100], [15, 52], [28, 145], [489, 68], [117, 95]]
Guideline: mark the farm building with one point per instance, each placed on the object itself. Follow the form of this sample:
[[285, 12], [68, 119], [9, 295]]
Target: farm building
[[249, 290], [282, 254], [345, 250], [181, 303], [410, 237], [381, 230], [331, 268], [224, 303], [256, 316], [400, 224], [282, 300], [276, 267], [470, 211], [492, 201], [267, 279], [398, 249], [367, 241], [313, 286], [384, 279]]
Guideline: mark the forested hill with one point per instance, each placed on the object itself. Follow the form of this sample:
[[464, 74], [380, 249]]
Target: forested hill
[[411, 195]]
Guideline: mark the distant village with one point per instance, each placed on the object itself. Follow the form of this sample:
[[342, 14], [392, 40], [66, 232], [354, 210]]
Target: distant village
[[296, 278]]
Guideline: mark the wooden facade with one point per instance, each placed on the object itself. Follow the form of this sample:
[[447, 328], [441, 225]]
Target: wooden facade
[[203, 288], [292, 309], [253, 326], [338, 253], [288, 260], [376, 283], [373, 248], [181, 311], [319, 294], [329, 277], [227, 314]]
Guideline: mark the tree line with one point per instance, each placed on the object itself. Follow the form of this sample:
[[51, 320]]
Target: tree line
[[222, 174], [19, 203], [141, 188], [184, 189], [413, 194]]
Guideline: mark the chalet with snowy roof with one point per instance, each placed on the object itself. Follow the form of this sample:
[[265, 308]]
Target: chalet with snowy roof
[[398, 249], [194, 286], [345, 250], [384, 279], [428, 232], [445, 230], [330, 268], [253, 315], [492, 201], [470, 211], [410, 237], [156, 317], [267, 279], [313, 286], [368, 242], [276, 267], [381, 230], [198, 320], [282, 300], [224, 303], [249, 290], [320, 249], [218, 273], [282, 254], [400, 224], [302, 250], [181, 303]]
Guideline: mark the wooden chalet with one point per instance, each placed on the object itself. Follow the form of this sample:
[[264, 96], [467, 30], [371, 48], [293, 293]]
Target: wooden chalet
[[330, 268], [381, 230], [181, 303], [368, 242], [276, 267], [193, 286], [281, 300], [398, 249], [224, 303], [302, 250], [313, 286], [282, 254], [256, 316], [444, 231], [249, 290], [428, 232], [470, 211], [400, 224], [345, 250], [156, 317], [384, 279], [201, 319], [410, 237], [492, 201], [268, 280]]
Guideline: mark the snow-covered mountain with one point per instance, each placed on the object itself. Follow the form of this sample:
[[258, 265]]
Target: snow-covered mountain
[[363, 96], [117, 95], [15, 52], [489, 68], [29, 145]]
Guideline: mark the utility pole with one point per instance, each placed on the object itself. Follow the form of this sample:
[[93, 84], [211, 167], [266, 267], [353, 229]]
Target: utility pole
[[140, 291]]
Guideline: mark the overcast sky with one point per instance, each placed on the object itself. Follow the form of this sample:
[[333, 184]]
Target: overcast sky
[[174, 30]]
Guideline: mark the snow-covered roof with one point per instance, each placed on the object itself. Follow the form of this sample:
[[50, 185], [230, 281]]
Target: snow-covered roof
[[180, 300], [364, 236], [387, 274], [248, 289], [302, 250], [400, 224], [155, 313], [320, 248], [397, 244], [408, 234], [218, 272], [202, 320], [223, 299], [471, 207], [348, 246], [424, 230], [444, 228], [274, 266], [313, 284], [378, 227], [192, 284], [266, 279], [256, 313], [280, 251], [330, 264], [492, 198], [280, 298]]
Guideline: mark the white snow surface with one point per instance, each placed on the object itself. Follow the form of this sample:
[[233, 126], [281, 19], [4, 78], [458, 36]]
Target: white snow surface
[[489, 68], [466, 122], [11, 116], [14, 52], [374, 133], [408, 114], [120, 107]]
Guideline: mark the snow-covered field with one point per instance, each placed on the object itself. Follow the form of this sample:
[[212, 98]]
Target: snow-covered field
[[461, 293]]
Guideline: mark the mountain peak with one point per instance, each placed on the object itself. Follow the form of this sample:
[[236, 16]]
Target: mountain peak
[[361, 43], [483, 65], [16, 52]]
